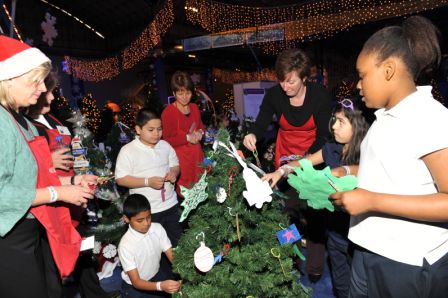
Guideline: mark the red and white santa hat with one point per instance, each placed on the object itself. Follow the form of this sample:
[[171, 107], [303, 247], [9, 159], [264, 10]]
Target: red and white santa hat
[[17, 58]]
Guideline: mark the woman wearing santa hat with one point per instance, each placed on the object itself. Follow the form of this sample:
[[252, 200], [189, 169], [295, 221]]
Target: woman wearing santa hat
[[29, 185]]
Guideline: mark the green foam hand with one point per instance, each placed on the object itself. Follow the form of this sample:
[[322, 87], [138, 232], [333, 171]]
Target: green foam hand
[[315, 186]]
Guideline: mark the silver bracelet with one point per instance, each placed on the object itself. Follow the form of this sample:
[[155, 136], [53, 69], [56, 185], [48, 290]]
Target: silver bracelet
[[159, 286], [347, 170], [53, 194], [146, 181]]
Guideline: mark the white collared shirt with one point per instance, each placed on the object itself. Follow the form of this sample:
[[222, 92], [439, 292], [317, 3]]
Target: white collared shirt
[[139, 160], [142, 251], [391, 163]]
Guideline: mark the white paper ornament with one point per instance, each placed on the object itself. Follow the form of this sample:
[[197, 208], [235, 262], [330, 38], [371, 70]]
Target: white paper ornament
[[221, 195], [203, 258]]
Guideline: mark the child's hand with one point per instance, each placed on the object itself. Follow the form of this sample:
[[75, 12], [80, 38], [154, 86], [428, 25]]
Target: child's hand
[[171, 177], [355, 202], [274, 177], [338, 172], [156, 182], [170, 286]]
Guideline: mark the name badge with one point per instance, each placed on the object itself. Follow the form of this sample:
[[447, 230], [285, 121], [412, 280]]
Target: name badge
[[63, 130]]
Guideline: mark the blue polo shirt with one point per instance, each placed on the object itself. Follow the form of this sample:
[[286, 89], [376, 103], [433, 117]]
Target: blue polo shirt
[[332, 154]]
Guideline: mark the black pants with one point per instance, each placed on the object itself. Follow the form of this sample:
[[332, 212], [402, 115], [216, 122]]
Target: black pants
[[312, 224], [169, 219], [21, 263], [376, 276], [128, 291]]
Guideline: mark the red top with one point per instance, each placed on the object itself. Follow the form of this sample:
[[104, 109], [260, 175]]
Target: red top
[[176, 126]]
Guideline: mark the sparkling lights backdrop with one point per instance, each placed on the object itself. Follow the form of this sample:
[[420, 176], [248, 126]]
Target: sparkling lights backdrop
[[105, 69]]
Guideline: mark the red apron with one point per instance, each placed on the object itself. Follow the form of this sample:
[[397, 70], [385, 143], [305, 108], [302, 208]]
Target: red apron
[[76, 212], [294, 140], [64, 240]]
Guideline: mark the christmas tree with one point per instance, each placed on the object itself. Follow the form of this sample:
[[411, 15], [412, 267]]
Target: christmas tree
[[246, 257], [90, 110]]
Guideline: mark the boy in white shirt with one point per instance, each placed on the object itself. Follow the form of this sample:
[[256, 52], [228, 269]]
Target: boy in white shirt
[[149, 166], [140, 251]]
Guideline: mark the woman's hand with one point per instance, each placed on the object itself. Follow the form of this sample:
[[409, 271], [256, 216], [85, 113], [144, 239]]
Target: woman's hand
[[195, 136], [170, 286], [74, 194], [62, 159], [250, 142], [355, 202], [273, 177]]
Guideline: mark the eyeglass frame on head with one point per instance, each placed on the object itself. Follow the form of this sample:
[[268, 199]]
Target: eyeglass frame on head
[[343, 103]]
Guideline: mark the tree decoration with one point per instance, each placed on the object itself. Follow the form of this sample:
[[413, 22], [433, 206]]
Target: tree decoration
[[193, 196], [221, 195], [257, 191], [203, 257], [50, 31], [315, 186]]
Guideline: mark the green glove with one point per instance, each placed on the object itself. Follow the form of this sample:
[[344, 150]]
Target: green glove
[[314, 186]]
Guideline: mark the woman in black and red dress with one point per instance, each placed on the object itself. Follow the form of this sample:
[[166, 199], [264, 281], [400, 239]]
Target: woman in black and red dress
[[303, 111]]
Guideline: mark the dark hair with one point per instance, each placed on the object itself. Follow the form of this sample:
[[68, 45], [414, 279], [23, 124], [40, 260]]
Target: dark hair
[[144, 115], [51, 81], [134, 204], [290, 60], [359, 127], [416, 42], [181, 79]]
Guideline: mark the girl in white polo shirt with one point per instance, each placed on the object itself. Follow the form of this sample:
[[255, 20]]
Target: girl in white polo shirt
[[400, 208]]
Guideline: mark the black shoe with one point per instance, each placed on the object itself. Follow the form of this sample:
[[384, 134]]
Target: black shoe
[[314, 277]]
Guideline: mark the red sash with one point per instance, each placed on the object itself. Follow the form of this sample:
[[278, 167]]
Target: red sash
[[294, 140]]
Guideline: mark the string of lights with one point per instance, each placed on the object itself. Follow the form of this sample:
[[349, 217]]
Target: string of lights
[[106, 69], [10, 20], [232, 77], [313, 17]]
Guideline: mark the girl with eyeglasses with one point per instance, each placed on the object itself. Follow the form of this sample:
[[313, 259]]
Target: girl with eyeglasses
[[348, 127], [400, 208]]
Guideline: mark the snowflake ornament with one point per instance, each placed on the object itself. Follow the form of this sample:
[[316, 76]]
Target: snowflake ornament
[[50, 31]]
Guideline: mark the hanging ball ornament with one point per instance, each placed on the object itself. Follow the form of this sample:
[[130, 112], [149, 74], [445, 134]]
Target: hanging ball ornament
[[221, 196], [203, 258]]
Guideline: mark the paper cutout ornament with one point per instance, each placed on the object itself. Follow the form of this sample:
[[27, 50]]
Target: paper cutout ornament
[[289, 235], [203, 258], [315, 186], [193, 196], [258, 192], [221, 195]]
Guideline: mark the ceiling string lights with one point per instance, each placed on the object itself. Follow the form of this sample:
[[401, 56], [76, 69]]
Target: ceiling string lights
[[233, 77], [312, 20], [106, 69]]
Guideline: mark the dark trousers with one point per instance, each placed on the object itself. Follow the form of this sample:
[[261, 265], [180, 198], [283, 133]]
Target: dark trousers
[[340, 260], [376, 276], [52, 277], [312, 224], [169, 219], [21, 264], [128, 291]]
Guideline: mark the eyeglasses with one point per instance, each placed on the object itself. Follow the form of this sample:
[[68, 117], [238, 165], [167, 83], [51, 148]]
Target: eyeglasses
[[347, 103]]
